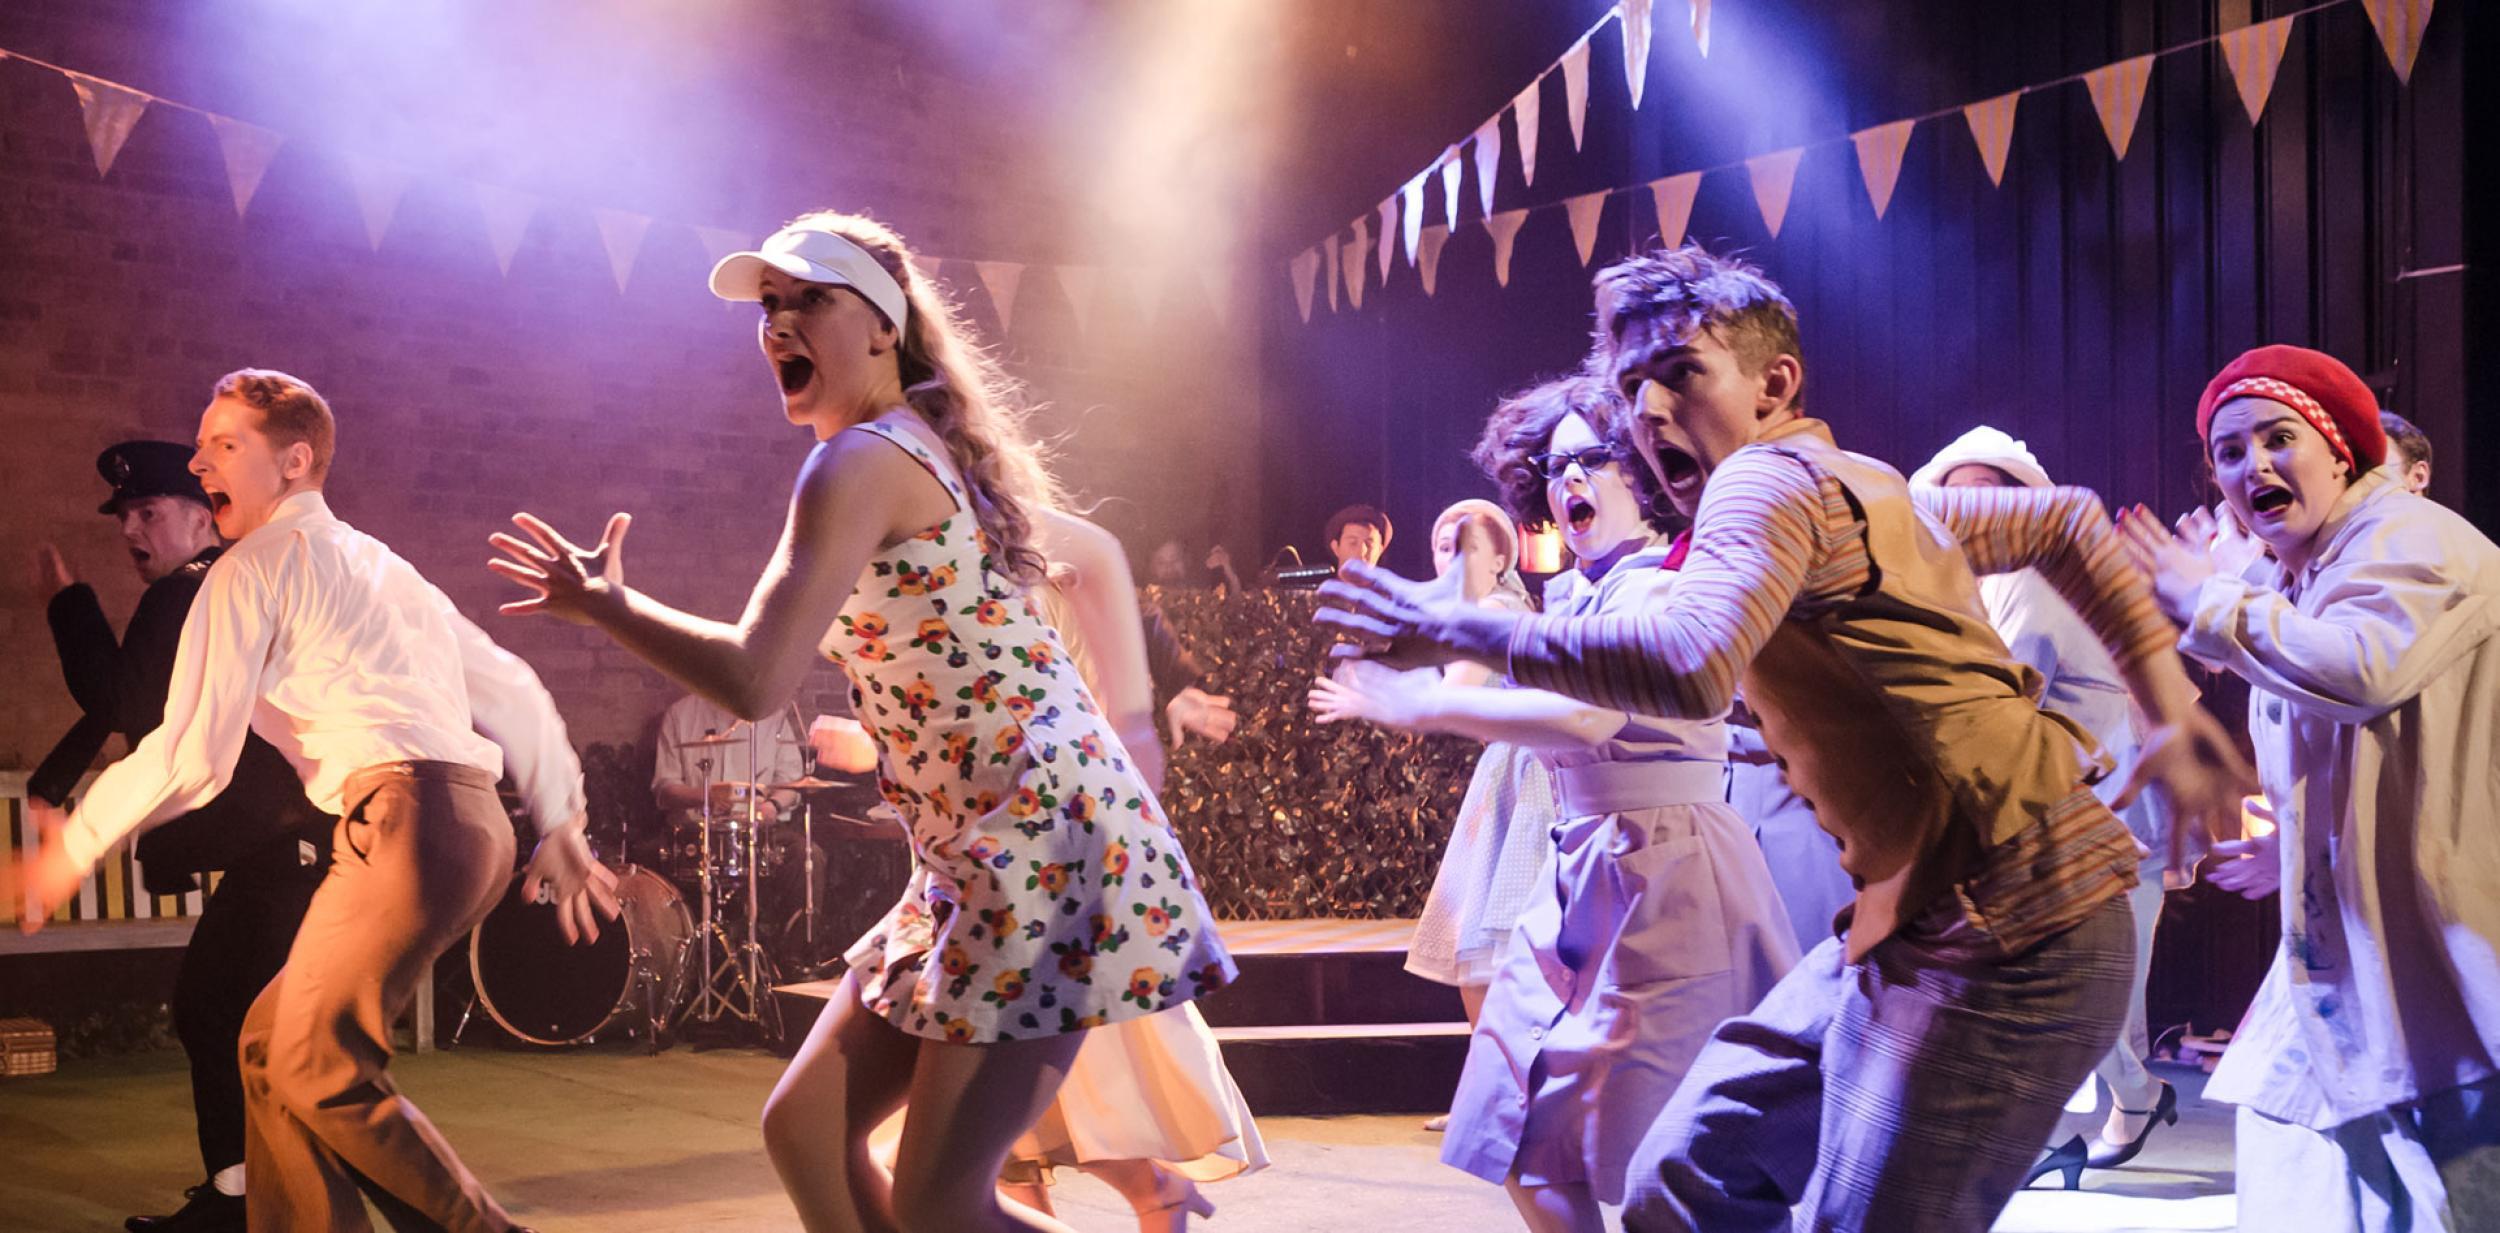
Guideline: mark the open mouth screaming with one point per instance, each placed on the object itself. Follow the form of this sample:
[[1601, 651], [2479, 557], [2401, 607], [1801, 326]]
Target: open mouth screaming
[[1579, 514], [2269, 499], [1679, 468], [794, 372]]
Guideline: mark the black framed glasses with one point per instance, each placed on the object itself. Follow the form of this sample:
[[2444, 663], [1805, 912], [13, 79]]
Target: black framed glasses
[[1590, 459]]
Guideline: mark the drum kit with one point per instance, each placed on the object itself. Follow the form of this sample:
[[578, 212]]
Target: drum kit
[[661, 964]]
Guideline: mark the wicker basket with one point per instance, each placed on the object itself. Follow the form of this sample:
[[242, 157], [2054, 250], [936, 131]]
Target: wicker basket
[[26, 1048]]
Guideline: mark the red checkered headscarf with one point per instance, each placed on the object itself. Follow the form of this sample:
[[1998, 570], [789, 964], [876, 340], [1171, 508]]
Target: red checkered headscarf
[[2327, 394]]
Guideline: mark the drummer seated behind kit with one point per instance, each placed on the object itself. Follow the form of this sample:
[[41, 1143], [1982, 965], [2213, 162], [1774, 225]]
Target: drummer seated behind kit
[[683, 765]]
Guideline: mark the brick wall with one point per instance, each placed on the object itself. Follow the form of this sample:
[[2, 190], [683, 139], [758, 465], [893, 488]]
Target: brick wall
[[464, 394]]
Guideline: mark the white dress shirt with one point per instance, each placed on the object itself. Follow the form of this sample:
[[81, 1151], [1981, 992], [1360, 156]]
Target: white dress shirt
[[322, 640], [2375, 712], [693, 717]]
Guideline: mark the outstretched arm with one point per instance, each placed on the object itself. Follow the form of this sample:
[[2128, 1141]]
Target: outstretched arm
[[1419, 702]]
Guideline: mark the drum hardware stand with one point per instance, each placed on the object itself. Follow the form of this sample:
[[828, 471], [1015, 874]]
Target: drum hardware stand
[[742, 967]]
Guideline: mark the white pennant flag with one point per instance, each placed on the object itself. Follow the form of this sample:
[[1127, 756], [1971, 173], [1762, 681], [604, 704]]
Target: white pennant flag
[[719, 242], [1388, 235], [1001, 277], [110, 111], [247, 151], [1450, 171], [1328, 252], [1488, 159], [1992, 126], [377, 187], [621, 233], [1411, 212], [1504, 228], [2399, 24], [507, 220], [2253, 53], [1355, 250], [1302, 271], [1145, 283], [1774, 175], [1701, 27], [1673, 197], [2118, 95], [1575, 67], [1430, 265], [1524, 113], [1584, 210], [1879, 159], [1083, 285], [1635, 46]]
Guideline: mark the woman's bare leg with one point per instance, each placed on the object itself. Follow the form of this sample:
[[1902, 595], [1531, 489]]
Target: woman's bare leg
[[851, 1074], [969, 1105], [1472, 997], [1556, 1209]]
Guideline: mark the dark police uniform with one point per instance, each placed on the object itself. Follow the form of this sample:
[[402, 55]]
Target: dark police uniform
[[272, 844]]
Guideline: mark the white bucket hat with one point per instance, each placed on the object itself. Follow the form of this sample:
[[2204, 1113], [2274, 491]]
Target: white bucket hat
[[1987, 447]]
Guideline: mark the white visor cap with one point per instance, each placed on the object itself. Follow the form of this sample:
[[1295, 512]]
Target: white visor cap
[[817, 256]]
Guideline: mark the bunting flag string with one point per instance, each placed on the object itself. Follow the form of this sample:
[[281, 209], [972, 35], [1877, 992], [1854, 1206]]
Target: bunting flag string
[[1388, 235], [110, 111], [1083, 287], [2253, 53], [1430, 265], [247, 151], [1583, 211], [1488, 160], [1302, 271], [507, 216], [719, 242], [1879, 159], [2399, 24], [2118, 96], [1328, 255], [1673, 198], [621, 232], [1000, 279], [1524, 114], [1774, 177], [378, 186], [1992, 126], [1635, 14], [1355, 250], [1412, 213], [1575, 70], [1504, 228], [1701, 27], [1450, 170]]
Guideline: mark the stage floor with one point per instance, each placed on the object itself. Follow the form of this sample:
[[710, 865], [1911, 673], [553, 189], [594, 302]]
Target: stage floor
[[621, 1143]]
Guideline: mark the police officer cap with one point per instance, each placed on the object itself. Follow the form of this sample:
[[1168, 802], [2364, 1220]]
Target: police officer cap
[[141, 469]]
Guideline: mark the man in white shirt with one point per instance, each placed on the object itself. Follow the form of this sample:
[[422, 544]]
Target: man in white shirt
[[683, 767], [399, 714]]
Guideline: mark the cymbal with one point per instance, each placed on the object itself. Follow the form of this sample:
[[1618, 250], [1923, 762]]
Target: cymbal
[[731, 737], [809, 784]]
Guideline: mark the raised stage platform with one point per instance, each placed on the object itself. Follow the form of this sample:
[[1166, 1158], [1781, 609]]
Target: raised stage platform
[[1324, 1020]]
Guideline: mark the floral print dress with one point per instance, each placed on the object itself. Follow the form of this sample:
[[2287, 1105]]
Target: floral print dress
[[1047, 893]]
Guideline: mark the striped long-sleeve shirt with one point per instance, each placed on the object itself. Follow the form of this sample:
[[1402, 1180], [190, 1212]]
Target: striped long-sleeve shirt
[[1778, 539]]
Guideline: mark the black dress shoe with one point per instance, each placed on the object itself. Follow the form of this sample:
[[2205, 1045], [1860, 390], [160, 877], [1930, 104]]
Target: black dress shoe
[[2165, 1112], [208, 1211], [2065, 1158]]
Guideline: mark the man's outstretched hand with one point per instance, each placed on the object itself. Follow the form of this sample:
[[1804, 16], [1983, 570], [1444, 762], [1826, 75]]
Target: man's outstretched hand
[[1405, 624]]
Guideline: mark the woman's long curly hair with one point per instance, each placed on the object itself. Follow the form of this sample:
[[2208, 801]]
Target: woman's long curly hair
[[1522, 426], [975, 408]]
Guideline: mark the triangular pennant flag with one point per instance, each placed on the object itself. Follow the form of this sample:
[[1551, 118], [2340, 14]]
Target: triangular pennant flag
[[719, 242], [1328, 251], [621, 232], [1355, 250], [1992, 126], [1429, 265], [1411, 212], [1575, 67], [377, 187], [1000, 278], [1584, 210], [508, 219], [1701, 27], [110, 110], [1146, 283], [1302, 270], [2399, 24], [1674, 198], [2253, 53], [1879, 159], [1524, 112], [1451, 168], [1774, 174], [1218, 277], [1488, 159], [1635, 46], [1083, 285], [1388, 235], [247, 151], [1504, 228], [2118, 95]]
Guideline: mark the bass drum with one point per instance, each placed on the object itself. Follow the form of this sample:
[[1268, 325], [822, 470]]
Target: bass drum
[[549, 992]]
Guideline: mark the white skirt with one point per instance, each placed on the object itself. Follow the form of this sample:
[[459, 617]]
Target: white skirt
[[1150, 1088], [1491, 870]]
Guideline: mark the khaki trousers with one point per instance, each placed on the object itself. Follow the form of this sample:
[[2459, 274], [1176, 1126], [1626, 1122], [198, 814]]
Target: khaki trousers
[[423, 851]]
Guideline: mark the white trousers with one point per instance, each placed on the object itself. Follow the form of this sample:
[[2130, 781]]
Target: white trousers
[[2428, 1167]]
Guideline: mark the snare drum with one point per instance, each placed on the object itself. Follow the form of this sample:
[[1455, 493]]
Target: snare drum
[[549, 992]]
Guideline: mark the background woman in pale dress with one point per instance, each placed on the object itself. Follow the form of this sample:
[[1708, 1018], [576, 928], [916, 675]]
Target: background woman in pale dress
[[1502, 836]]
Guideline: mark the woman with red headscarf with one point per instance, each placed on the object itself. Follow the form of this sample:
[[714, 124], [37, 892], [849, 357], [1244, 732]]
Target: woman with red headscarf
[[2368, 1070]]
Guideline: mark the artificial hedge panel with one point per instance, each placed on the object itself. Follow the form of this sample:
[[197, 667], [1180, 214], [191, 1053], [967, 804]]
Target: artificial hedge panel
[[1293, 818]]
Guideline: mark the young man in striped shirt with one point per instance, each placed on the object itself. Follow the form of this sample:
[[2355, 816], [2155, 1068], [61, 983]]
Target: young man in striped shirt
[[1904, 1075]]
